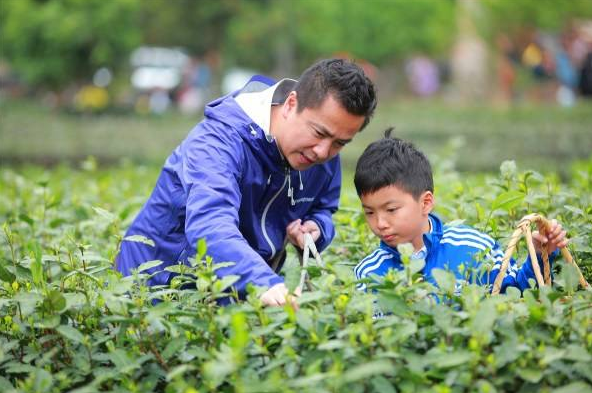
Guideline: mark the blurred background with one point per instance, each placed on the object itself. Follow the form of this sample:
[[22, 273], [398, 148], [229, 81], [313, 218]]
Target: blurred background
[[482, 80]]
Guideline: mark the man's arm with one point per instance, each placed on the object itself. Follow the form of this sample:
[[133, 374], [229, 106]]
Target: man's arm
[[211, 170], [324, 208]]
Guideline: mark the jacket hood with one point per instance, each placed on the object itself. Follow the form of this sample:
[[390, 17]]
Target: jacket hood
[[226, 110]]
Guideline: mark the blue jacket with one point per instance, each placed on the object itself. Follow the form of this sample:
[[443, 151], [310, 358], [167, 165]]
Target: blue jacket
[[228, 183], [449, 247]]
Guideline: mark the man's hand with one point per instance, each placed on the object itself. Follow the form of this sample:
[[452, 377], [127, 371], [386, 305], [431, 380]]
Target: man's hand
[[278, 295], [296, 230], [555, 238]]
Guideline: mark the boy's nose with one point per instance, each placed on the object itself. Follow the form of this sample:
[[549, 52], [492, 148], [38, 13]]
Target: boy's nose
[[381, 222]]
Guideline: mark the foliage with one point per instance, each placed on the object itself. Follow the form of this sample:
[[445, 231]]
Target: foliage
[[379, 33], [69, 322], [52, 43], [511, 16], [198, 26], [542, 137]]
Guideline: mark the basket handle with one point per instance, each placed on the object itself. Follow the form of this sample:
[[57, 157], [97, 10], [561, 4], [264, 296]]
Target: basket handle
[[523, 228]]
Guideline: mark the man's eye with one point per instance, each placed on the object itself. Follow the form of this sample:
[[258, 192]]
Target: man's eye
[[368, 213], [340, 143], [392, 210]]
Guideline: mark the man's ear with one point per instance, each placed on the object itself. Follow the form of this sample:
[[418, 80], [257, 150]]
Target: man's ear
[[291, 104], [427, 201]]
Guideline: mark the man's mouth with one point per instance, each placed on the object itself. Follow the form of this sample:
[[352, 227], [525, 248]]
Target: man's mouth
[[305, 159]]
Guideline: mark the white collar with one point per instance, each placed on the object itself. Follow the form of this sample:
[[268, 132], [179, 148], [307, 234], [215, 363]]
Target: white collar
[[257, 105]]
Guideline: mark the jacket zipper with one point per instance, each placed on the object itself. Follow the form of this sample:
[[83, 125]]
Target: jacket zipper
[[273, 250]]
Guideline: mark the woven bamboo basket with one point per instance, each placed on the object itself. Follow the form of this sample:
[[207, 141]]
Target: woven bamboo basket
[[523, 228]]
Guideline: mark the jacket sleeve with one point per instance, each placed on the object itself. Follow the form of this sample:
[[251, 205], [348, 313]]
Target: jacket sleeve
[[324, 208], [212, 162], [517, 277]]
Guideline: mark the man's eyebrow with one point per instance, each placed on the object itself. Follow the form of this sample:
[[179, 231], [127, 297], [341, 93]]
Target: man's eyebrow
[[323, 130]]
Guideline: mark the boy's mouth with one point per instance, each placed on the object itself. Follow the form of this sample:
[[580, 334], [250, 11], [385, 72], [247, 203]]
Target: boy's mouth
[[388, 238]]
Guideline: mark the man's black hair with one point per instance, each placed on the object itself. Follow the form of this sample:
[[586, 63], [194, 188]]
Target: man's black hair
[[344, 80], [393, 162]]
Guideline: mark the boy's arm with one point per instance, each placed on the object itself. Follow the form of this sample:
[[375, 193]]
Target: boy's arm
[[375, 263], [517, 277]]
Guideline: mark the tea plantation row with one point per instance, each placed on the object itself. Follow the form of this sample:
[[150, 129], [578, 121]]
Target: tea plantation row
[[68, 322]]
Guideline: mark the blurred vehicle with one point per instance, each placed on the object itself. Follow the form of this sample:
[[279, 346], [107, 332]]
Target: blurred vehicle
[[156, 72]]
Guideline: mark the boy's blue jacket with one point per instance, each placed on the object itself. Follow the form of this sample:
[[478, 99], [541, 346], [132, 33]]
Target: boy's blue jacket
[[449, 247], [228, 183]]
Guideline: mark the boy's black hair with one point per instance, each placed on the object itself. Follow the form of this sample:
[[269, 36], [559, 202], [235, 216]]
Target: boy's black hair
[[393, 162], [343, 79]]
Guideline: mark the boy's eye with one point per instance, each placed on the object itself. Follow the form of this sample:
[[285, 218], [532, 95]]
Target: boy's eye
[[340, 143], [367, 213], [392, 209]]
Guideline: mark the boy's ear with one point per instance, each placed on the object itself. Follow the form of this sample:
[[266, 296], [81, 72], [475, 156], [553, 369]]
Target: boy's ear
[[427, 201]]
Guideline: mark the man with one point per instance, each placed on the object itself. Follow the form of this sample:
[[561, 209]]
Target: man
[[261, 169]]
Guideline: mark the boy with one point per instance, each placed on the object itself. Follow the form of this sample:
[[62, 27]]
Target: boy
[[395, 185]]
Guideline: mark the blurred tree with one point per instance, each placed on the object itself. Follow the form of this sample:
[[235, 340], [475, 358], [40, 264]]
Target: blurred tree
[[197, 25], [51, 43], [513, 16], [376, 31]]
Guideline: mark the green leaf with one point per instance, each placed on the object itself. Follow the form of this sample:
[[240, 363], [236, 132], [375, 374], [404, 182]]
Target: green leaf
[[507, 200], [367, 370], [531, 375], [304, 319], [416, 265], [42, 380], [568, 278], [107, 215], [54, 301], [179, 371], [149, 265], [139, 239], [71, 333], [201, 249], [445, 279], [226, 282], [574, 387], [173, 348], [453, 359], [27, 219], [5, 385], [37, 266], [383, 385], [5, 275]]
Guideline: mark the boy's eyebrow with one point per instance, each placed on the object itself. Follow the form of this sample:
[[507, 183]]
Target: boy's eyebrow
[[391, 201], [323, 130]]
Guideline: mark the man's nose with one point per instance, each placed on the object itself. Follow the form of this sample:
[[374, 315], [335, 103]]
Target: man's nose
[[322, 150]]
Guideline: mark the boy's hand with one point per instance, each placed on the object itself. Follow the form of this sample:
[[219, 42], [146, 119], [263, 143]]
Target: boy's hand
[[296, 230], [278, 295], [555, 238]]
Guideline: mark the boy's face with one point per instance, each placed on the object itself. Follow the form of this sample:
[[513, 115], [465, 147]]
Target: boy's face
[[314, 135], [396, 217]]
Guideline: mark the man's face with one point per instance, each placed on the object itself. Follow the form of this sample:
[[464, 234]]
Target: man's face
[[314, 135], [396, 217]]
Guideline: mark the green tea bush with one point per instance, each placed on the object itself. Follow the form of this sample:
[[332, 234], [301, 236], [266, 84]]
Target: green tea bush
[[69, 322]]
